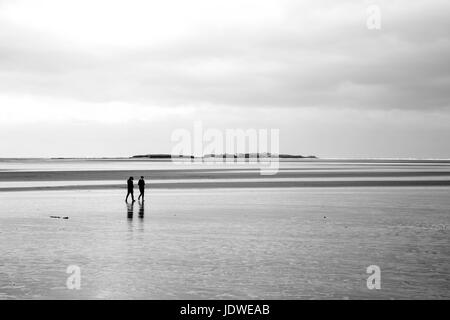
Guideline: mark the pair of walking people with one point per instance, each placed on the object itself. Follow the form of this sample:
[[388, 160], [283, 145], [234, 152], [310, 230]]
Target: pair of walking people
[[130, 187]]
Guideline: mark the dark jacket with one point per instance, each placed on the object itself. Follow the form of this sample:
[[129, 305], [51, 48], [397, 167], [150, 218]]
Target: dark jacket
[[141, 184], [130, 185]]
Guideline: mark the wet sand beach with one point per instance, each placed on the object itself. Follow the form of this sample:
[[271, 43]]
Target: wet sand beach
[[225, 233], [54, 174]]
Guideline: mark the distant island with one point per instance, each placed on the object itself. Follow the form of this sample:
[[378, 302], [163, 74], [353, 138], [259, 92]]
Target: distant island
[[236, 156]]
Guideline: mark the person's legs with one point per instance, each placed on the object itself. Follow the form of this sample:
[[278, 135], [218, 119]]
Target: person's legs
[[141, 193], [126, 199], [132, 196]]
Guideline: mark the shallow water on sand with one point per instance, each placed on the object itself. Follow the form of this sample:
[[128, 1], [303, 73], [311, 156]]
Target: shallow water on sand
[[227, 243], [167, 164]]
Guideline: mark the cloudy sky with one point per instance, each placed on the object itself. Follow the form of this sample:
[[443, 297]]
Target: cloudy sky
[[115, 78]]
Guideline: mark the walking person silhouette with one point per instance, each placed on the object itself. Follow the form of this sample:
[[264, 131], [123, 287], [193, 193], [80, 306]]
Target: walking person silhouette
[[141, 185], [130, 186]]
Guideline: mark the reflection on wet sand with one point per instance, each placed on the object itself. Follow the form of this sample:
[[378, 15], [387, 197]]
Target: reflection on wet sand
[[130, 213], [141, 210], [130, 210]]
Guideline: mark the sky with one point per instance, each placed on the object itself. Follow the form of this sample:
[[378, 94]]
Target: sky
[[94, 78]]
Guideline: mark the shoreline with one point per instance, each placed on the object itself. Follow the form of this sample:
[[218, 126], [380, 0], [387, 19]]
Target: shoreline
[[105, 175], [246, 185], [90, 175]]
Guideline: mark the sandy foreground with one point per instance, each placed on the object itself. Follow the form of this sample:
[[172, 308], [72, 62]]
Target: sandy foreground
[[309, 232], [236, 243]]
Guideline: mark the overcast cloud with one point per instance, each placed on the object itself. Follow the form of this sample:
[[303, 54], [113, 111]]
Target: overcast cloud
[[161, 64]]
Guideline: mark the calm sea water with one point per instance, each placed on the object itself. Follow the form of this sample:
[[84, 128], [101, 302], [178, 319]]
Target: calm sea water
[[231, 243], [145, 164]]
